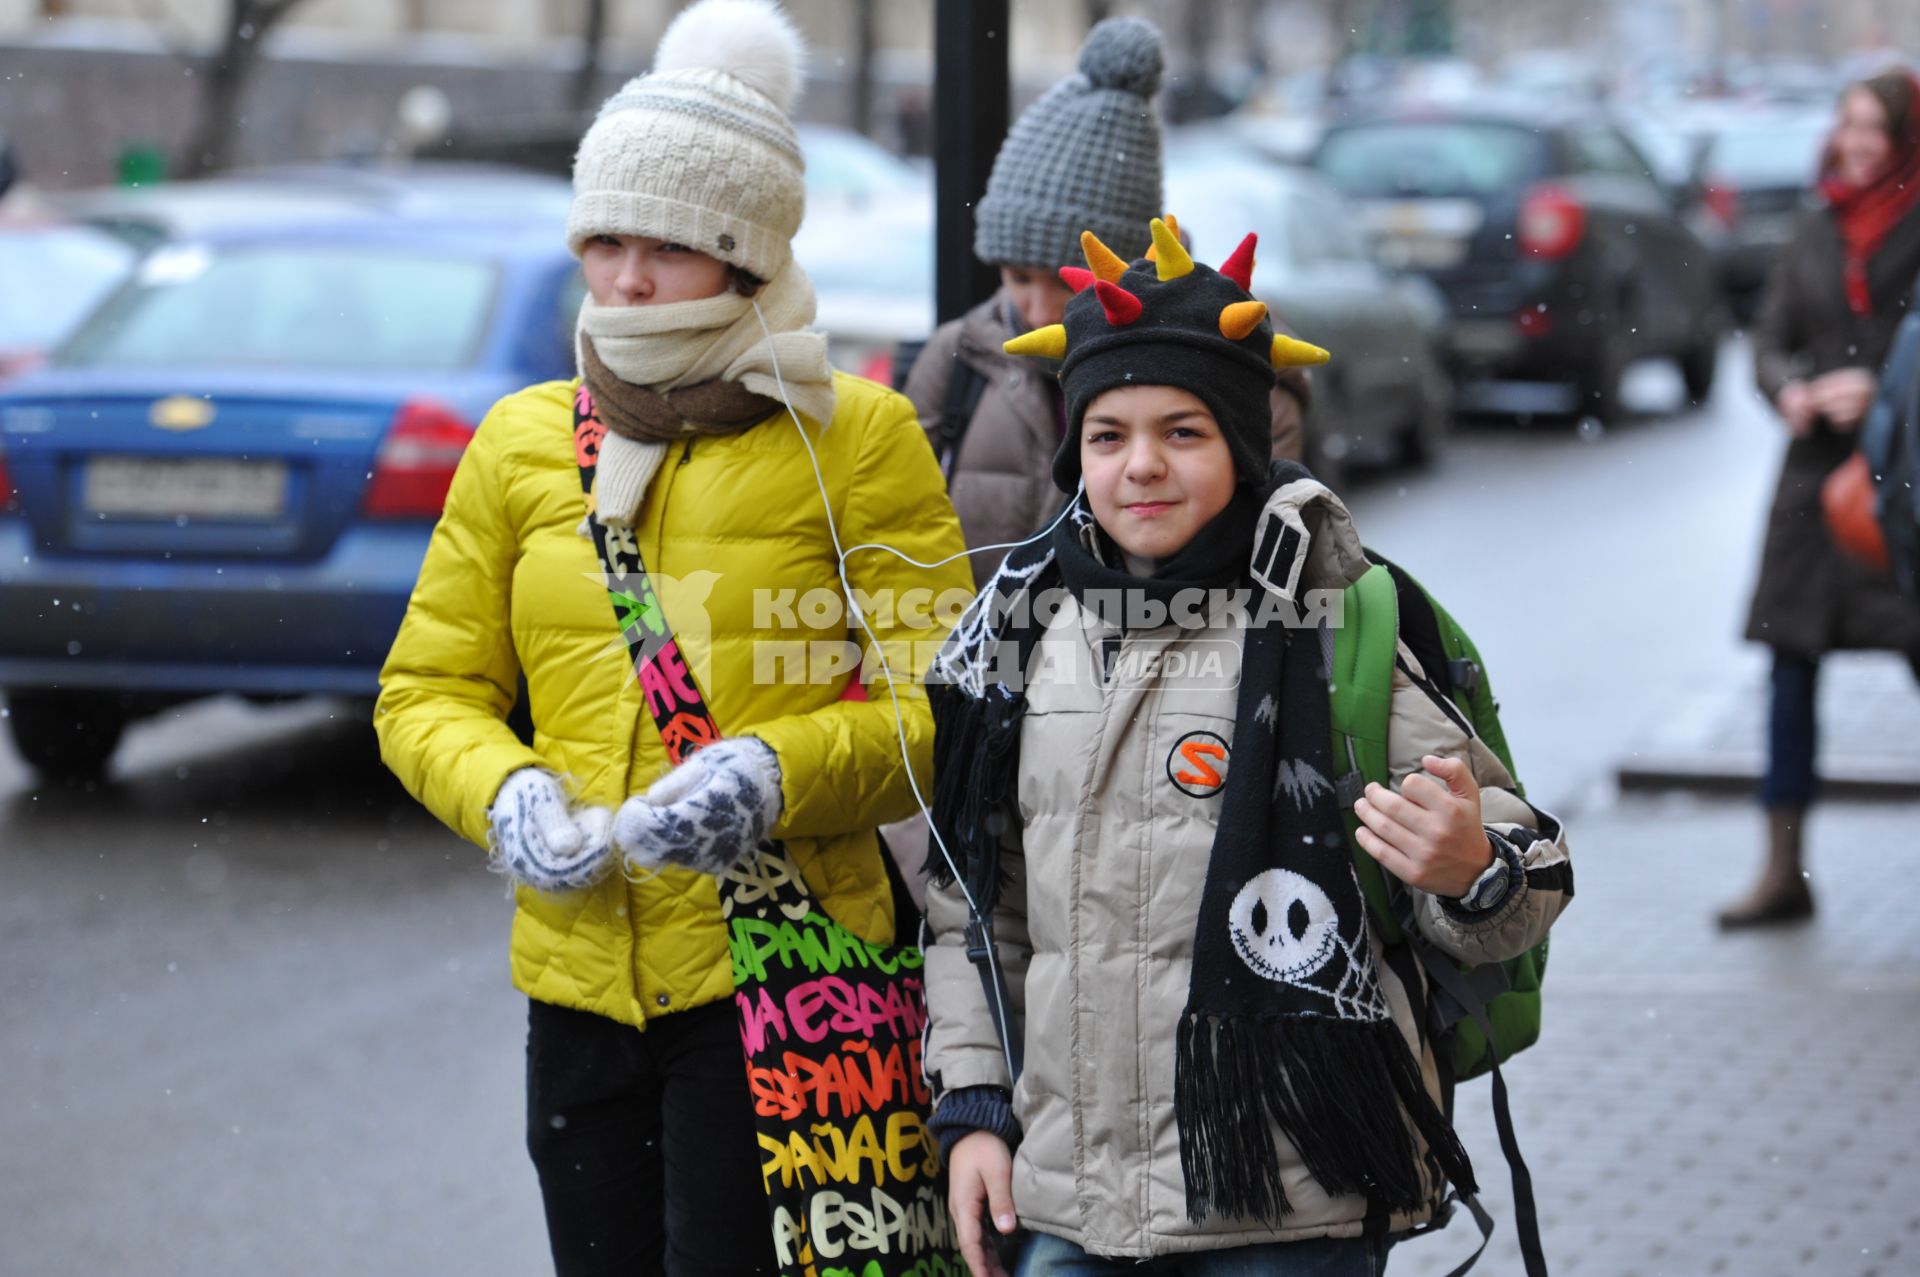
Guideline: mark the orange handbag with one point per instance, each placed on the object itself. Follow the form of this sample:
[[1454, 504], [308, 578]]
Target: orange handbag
[[1851, 505]]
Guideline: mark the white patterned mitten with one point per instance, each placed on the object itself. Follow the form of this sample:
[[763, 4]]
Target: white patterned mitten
[[709, 813], [536, 838]]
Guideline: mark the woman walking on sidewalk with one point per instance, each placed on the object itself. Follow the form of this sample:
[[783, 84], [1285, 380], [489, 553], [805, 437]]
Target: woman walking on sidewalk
[[696, 358], [1836, 295]]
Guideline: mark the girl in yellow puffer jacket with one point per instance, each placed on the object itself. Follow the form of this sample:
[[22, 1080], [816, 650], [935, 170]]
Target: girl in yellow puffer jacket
[[693, 347]]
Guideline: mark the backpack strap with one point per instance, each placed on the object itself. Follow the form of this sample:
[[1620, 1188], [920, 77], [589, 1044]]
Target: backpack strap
[[1359, 658], [1526, 1214], [1384, 607], [964, 390]]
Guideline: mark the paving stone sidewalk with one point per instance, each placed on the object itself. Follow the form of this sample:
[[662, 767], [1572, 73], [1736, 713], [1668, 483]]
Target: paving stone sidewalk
[[1715, 740], [1705, 1104]]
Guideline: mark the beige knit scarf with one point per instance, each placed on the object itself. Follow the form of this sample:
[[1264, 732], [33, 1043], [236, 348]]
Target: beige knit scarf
[[675, 345]]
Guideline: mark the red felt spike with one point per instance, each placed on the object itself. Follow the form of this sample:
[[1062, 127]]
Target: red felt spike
[[1078, 278], [1239, 267], [1122, 307]]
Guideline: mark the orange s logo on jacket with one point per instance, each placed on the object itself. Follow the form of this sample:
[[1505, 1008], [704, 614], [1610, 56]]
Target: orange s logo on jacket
[[1198, 764]]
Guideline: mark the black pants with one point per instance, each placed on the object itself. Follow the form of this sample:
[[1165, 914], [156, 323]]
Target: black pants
[[644, 1144]]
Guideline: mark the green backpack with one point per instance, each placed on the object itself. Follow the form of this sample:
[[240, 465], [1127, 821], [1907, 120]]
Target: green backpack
[[1481, 1015]]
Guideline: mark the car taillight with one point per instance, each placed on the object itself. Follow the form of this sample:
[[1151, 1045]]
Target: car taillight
[[1552, 222], [6, 487], [879, 367], [416, 462], [1721, 203]]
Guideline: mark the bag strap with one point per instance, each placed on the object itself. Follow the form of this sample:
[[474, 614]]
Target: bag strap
[[672, 695], [1526, 1216], [964, 390], [1381, 606]]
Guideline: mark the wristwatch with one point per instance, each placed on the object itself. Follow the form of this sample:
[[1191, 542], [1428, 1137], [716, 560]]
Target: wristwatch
[[1491, 887]]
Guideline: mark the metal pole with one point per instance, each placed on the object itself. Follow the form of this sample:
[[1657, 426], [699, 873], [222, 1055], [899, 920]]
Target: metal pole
[[971, 88]]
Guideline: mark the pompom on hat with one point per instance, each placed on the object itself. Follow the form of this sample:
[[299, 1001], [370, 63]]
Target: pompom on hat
[[1085, 155], [1167, 320], [700, 150]]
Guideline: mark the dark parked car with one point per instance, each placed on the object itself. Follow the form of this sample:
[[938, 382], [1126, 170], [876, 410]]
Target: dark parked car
[[1561, 259], [1383, 397], [1755, 177], [225, 479]]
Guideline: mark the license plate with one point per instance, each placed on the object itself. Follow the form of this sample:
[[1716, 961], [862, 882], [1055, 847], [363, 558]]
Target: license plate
[[193, 487]]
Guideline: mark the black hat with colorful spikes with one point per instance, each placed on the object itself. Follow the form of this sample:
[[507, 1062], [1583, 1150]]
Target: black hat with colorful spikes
[[1168, 321]]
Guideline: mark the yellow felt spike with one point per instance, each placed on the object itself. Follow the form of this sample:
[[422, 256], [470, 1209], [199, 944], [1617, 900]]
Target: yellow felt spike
[[1049, 342], [1170, 258], [1241, 318], [1289, 353], [1173, 224], [1101, 260]]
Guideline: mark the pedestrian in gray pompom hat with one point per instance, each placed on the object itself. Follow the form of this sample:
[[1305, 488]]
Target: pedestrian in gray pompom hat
[[1085, 156]]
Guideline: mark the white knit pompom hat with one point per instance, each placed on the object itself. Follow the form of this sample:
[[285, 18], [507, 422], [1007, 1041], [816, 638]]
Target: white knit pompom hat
[[700, 150]]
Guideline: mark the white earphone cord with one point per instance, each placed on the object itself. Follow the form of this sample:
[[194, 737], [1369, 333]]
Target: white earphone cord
[[846, 589]]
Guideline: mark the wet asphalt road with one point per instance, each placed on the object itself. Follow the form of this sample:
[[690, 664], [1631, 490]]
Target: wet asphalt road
[[256, 1015]]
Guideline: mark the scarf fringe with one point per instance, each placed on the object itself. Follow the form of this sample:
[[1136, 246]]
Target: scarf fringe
[[1330, 1086]]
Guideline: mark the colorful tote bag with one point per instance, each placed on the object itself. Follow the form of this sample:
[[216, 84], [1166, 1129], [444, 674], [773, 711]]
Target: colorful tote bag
[[830, 1024]]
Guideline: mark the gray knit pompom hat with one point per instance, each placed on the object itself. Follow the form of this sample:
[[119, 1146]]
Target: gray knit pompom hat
[[701, 150], [1085, 156]]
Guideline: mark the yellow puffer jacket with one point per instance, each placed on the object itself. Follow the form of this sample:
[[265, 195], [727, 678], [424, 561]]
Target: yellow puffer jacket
[[734, 535]]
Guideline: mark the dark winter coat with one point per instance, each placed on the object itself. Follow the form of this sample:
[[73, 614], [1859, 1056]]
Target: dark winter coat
[[1811, 597], [1002, 481]]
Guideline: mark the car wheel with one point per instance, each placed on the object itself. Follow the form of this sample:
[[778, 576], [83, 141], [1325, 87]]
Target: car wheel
[[1426, 436], [1324, 444], [66, 735], [1599, 386], [1697, 368]]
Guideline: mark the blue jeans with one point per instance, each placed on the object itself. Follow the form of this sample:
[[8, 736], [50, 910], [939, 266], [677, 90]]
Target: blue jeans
[[1047, 1256], [1792, 732]]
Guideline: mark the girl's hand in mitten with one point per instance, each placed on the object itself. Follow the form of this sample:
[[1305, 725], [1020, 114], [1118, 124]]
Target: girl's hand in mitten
[[537, 839], [709, 813]]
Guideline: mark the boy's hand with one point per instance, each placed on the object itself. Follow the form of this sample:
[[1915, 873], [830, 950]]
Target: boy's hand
[[980, 1173], [1428, 835]]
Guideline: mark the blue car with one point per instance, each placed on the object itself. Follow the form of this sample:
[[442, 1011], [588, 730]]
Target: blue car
[[225, 480]]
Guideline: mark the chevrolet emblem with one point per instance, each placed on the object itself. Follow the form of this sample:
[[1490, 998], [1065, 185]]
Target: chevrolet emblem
[[181, 412]]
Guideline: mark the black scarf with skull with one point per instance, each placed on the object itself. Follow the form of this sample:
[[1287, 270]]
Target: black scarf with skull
[[1286, 1032]]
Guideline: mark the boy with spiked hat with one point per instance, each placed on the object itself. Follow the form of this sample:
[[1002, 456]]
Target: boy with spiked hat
[[1224, 1071], [1086, 155]]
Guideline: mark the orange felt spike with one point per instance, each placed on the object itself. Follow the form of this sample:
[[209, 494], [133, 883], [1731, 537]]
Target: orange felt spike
[[1239, 267], [1049, 343], [1241, 318], [1076, 278], [1122, 307], [1173, 224], [1170, 260], [1103, 261], [1289, 353]]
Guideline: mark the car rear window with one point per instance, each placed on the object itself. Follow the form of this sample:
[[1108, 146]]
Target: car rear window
[[1778, 155], [322, 307], [53, 277], [1440, 158]]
